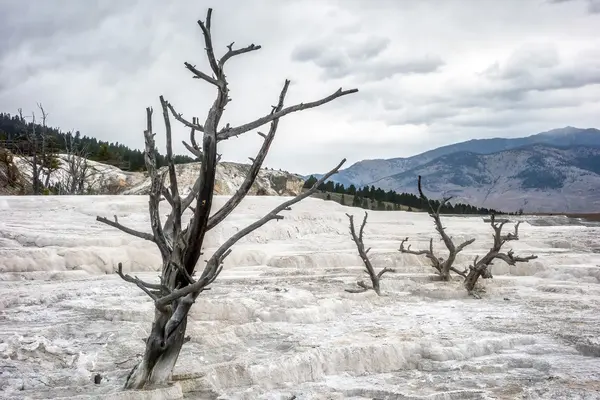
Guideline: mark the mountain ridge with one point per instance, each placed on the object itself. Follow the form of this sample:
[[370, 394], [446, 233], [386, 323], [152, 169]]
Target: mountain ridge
[[535, 178], [563, 146]]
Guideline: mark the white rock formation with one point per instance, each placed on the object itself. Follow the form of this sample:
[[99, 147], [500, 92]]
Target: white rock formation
[[277, 322]]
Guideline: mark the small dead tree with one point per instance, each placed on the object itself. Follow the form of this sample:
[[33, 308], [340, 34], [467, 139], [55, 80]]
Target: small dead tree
[[360, 246], [180, 247], [76, 169], [441, 265], [480, 267], [37, 152]]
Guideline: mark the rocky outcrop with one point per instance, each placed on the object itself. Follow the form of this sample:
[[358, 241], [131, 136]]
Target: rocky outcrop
[[230, 176], [108, 179]]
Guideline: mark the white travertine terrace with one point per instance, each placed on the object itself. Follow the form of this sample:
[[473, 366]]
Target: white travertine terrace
[[278, 322]]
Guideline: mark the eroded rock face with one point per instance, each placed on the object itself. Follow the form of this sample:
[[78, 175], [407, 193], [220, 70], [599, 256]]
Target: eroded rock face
[[229, 177], [110, 180]]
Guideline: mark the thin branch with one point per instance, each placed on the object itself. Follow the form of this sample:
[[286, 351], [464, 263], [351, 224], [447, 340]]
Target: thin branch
[[232, 53], [463, 245], [383, 271], [179, 117], [358, 290], [435, 261], [226, 133], [133, 232], [201, 75], [195, 152], [461, 273], [137, 282], [205, 26]]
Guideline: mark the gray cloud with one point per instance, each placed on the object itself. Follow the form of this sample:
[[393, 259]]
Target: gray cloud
[[429, 72], [362, 60], [36, 26], [593, 6]]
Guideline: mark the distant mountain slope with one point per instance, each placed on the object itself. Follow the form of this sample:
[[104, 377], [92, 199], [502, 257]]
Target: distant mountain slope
[[537, 178], [369, 172]]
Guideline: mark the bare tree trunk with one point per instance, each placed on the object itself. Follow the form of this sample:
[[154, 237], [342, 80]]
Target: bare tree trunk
[[160, 356], [180, 247]]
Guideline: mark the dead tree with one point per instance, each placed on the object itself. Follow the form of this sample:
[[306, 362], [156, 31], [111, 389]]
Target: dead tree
[[360, 246], [76, 169], [37, 152], [180, 247], [441, 265], [480, 267]]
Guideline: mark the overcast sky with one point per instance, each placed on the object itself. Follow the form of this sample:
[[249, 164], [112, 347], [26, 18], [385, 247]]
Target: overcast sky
[[429, 72]]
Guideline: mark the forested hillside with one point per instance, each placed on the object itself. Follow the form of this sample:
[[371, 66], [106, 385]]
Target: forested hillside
[[378, 199], [13, 132]]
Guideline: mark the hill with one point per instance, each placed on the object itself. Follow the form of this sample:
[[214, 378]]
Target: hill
[[369, 172], [571, 173], [536, 178]]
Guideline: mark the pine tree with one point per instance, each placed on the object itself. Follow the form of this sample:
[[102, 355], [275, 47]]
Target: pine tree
[[309, 182]]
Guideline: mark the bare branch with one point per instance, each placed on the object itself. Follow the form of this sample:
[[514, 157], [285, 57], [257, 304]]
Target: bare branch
[[383, 271], [415, 252], [133, 232], [461, 273], [201, 75], [193, 125], [196, 153], [137, 282], [176, 200], [226, 133], [232, 53], [156, 188], [245, 187], [358, 290], [463, 245], [205, 26]]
